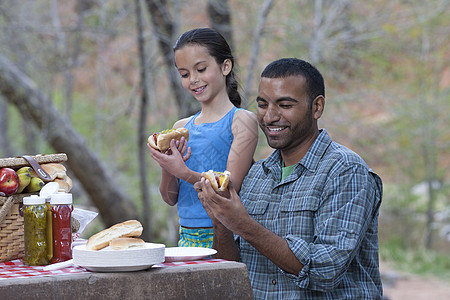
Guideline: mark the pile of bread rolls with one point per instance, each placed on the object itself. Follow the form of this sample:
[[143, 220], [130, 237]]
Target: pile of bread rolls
[[119, 237], [57, 173]]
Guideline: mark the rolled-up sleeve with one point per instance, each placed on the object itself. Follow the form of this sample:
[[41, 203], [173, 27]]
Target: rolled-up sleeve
[[348, 205]]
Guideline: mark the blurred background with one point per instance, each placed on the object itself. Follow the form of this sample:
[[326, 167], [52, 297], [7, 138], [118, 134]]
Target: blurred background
[[94, 79]]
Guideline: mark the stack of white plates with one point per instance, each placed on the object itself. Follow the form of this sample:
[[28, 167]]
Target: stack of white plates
[[107, 260]]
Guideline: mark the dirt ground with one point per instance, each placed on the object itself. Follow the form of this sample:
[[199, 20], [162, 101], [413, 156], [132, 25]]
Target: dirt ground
[[399, 285]]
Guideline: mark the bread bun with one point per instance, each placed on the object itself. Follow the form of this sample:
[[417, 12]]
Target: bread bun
[[65, 184], [219, 180], [161, 140], [126, 243], [130, 228], [54, 170]]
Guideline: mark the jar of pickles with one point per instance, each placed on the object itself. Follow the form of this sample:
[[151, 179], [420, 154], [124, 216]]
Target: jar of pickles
[[61, 206], [46, 191], [35, 226]]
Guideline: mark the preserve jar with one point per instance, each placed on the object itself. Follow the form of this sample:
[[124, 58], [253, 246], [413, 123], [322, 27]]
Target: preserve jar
[[35, 226], [61, 205]]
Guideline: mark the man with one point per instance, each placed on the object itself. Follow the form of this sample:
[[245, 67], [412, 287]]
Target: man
[[306, 221]]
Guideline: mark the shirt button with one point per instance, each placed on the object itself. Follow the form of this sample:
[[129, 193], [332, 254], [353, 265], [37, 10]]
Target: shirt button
[[274, 281]]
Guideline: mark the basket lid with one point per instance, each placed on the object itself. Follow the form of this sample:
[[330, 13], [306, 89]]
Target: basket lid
[[33, 200]]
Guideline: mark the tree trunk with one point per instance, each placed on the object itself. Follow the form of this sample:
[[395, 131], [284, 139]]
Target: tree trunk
[[255, 48], [97, 180], [5, 148], [163, 27], [142, 137], [219, 16]]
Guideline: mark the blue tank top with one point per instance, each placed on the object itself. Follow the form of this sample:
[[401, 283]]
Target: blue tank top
[[210, 145]]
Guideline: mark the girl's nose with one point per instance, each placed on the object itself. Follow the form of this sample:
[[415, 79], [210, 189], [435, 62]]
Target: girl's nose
[[194, 79]]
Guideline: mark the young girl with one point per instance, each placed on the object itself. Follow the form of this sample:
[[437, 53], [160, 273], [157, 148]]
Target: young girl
[[222, 136]]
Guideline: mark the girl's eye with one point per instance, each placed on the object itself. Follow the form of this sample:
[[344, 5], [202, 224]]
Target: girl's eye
[[184, 75], [202, 70]]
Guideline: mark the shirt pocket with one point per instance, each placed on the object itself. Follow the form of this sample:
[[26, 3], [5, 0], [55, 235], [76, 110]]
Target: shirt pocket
[[257, 209], [297, 215]]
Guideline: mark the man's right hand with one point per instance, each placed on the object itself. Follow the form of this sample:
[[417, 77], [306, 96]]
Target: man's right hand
[[226, 207]]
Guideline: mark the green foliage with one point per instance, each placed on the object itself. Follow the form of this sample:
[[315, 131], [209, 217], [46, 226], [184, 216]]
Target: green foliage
[[420, 261], [384, 63]]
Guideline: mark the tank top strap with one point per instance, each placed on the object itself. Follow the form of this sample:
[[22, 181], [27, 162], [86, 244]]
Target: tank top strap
[[227, 117], [191, 120]]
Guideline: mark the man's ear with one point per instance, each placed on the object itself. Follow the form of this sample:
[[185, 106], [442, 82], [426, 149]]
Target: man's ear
[[226, 67], [318, 106]]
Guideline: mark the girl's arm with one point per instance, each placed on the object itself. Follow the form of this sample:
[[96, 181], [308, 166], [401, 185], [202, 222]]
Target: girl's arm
[[169, 183], [174, 164], [240, 159]]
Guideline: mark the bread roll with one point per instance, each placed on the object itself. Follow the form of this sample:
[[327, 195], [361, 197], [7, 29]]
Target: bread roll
[[54, 170], [65, 184], [219, 180], [126, 243], [161, 140], [130, 228]]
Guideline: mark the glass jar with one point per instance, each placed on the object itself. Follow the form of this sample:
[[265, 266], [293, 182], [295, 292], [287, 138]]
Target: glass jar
[[35, 226], [61, 205], [46, 191]]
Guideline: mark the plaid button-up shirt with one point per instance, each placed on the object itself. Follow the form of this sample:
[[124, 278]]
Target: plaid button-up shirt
[[327, 211]]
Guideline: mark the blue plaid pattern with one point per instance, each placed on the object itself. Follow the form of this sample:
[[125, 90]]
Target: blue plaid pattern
[[327, 211]]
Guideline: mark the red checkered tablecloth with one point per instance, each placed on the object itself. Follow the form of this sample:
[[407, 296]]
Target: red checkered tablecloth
[[16, 268]]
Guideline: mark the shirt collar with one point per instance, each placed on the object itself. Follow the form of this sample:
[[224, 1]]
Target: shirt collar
[[310, 161], [312, 158]]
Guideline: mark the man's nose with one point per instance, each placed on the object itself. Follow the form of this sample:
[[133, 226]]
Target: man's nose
[[272, 114]]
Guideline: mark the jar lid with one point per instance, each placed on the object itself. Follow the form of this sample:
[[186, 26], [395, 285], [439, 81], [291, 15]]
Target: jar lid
[[61, 198], [48, 189], [33, 200]]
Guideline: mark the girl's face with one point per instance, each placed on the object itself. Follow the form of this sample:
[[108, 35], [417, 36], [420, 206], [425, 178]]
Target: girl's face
[[200, 74]]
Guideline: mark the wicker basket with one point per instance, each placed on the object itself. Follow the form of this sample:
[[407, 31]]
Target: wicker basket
[[11, 229], [11, 221]]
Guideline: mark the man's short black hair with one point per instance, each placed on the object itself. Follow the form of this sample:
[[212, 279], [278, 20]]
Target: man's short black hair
[[286, 67]]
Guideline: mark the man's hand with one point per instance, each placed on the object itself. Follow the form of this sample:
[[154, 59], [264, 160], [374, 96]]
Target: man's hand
[[219, 207], [229, 212], [225, 207]]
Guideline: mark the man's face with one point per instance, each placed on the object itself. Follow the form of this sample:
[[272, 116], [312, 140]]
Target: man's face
[[284, 112]]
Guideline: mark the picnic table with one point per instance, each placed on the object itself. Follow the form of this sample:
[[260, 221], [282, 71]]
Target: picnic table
[[201, 279]]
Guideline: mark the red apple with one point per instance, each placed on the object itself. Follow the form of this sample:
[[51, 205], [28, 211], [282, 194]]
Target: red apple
[[9, 181]]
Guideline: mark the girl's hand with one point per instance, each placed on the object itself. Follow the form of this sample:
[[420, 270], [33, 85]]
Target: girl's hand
[[172, 160], [181, 146]]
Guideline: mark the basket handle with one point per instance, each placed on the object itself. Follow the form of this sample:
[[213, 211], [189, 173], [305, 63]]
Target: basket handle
[[37, 168], [6, 208]]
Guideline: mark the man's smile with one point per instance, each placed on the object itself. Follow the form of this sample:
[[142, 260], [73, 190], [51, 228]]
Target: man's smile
[[275, 130]]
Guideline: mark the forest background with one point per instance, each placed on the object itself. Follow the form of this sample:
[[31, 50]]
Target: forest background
[[94, 79]]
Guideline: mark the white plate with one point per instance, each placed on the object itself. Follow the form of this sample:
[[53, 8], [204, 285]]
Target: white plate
[[107, 260], [118, 269], [187, 253]]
